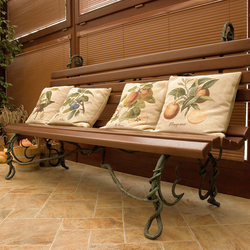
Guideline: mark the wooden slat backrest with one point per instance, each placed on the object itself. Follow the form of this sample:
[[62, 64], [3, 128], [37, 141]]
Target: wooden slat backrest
[[209, 59], [175, 68], [237, 46]]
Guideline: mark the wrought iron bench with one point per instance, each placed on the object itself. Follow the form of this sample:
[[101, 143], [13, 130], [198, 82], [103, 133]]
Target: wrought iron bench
[[215, 58]]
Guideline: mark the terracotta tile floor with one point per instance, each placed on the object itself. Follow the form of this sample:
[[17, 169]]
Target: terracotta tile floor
[[81, 208]]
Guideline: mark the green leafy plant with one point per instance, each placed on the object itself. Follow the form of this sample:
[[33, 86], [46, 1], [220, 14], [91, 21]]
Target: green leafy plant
[[186, 97], [9, 47], [76, 101], [44, 101], [134, 101]]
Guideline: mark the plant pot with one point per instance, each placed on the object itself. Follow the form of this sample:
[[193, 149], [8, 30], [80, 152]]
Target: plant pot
[[31, 151], [45, 154], [9, 136]]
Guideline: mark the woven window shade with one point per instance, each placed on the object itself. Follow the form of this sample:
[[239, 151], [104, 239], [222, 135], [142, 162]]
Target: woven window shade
[[90, 5], [32, 15], [92, 46], [180, 29], [146, 36], [31, 72], [203, 25]]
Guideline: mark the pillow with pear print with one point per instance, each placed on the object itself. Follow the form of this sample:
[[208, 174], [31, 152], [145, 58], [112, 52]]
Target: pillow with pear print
[[48, 104], [199, 104], [140, 106], [82, 107]]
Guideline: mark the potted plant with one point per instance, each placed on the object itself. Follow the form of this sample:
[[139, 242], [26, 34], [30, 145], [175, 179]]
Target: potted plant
[[9, 47]]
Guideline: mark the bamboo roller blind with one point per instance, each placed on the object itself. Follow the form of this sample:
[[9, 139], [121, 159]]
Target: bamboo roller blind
[[31, 72], [35, 14], [180, 29]]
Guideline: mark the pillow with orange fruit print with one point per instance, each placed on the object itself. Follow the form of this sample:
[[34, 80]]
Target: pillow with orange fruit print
[[199, 104], [140, 106]]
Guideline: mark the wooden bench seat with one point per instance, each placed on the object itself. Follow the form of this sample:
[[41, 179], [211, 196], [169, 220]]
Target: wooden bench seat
[[150, 143], [209, 59]]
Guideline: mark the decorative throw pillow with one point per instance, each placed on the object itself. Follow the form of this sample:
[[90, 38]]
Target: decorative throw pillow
[[82, 107], [200, 105], [140, 106], [49, 103]]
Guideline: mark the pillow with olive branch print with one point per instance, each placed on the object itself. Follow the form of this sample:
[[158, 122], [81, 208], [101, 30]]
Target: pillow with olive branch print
[[140, 106], [48, 104], [82, 107], [200, 104]]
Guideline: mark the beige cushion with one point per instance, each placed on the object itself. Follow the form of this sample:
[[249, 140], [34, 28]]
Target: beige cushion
[[48, 104], [140, 106], [82, 107], [200, 105]]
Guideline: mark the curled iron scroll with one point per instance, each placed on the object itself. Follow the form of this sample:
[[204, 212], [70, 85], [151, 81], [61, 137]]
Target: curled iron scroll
[[227, 35], [78, 62]]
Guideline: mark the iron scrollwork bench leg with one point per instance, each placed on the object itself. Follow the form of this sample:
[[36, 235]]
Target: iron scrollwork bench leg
[[155, 182], [10, 145], [60, 155], [154, 196], [59, 158], [212, 191]]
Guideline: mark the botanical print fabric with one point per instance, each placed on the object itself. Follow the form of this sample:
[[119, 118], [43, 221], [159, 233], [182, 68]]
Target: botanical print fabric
[[200, 105], [48, 104], [82, 107], [140, 106]]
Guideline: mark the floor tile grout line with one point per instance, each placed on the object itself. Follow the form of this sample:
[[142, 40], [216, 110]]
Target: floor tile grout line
[[202, 203], [163, 248], [224, 224], [56, 234], [3, 208], [80, 179], [41, 180], [11, 208], [46, 201], [60, 218], [96, 202], [49, 198], [189, 228], [90, 233], [25, 245], [7, 216], [7, 192], [122, 226], [123, 221]]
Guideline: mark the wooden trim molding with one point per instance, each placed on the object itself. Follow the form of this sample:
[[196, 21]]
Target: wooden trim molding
[[46, 44]]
